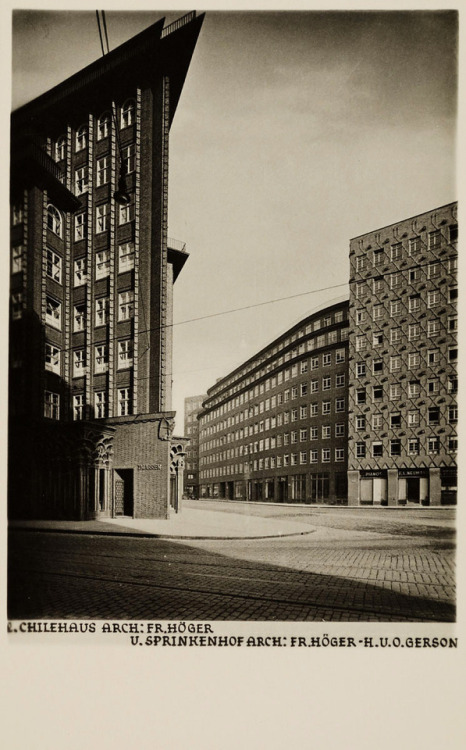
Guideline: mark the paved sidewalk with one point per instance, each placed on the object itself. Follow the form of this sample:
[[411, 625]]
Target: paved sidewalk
[[191, 523]]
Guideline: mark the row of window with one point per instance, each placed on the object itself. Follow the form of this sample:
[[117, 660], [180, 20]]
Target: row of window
[[124, 404], [54, 264], [397, 252], [126, 118], [412, 418], [124, 355], [275, 462], [242, 381], [414, 332], [325, 360], [433, 445], [434, 298], [411, 388], [435, 270], [277, 441], [397, 363]]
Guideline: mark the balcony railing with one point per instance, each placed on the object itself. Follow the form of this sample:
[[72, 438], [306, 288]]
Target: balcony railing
[[176, 245]]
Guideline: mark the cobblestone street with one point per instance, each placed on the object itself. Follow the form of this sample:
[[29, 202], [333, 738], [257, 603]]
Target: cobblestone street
[[352, 565]]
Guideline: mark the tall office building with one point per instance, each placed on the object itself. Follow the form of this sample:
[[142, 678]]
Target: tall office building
[[192, 407], [275, 429], [92, 272], [402, 436]]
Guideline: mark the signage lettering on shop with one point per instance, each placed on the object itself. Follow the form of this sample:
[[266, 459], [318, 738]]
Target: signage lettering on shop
[[373, 472], [413, 473], [150, 467]]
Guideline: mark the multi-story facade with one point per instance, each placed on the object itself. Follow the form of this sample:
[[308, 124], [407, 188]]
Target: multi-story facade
[[402, 429], [192, 407], [275, 429], [92, 273]]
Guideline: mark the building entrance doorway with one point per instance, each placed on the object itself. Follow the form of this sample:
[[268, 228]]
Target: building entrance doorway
[[412, 490], [282, 490], [124, 503]]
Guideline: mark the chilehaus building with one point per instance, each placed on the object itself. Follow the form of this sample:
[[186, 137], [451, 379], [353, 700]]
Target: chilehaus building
[[92, 274], [357, 403]]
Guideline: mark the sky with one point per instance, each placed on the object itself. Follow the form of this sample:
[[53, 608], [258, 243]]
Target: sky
[[295, 132]]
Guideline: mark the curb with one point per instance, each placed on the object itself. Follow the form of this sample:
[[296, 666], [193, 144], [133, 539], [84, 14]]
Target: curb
[[147, 535]]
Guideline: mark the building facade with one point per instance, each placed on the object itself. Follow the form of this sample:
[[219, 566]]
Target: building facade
[[403, 350], [92, 273], [275, 429], [192, 407]]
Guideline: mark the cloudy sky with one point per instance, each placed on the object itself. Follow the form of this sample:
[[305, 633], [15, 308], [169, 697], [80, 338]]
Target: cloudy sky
[[295, 132]]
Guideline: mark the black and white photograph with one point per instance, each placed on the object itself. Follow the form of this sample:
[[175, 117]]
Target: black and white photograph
[[233, 316], [231, 376]]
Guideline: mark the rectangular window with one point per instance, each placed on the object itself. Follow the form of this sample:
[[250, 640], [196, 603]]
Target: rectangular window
[[53, 266], [17, 303], [302, 457], [102, 171], [303, 412], [340, 381], [376, 421], [294, 415], [339, 404], [125, 213], [377, 312], [126, 305], [313, 433], [433, 356], [433, 298], [339, 430], [414, 303], [377, 393], [313, 457], [433, 445], [339, 356], [433, 327], [326, 432], [125, 257], [413, 418], [452, 353], [124, 402], [414, 359], [80, 275], [434, 415], [294, 392], [360, 289], [102, 264], [395, 335], [360, 450], [326, 407], [81, 180], [325, 455], [433, 270], [78, 406], [414, 389], [303, 435], [414, 275], [395, 391], [80, 226], [395, 363], [435, 240], [378, 285], [79, 318], [339, 454], [101, 311], [17, 259], [361, 263], [378, 257], [361, 343], [395, 447], [377, 449], [79, 363], [327, 360], [303, 389], [53, 312], [360, 422], [314, 363], [453, 294], [377, 340], [395, 280], [125, 354], [52, 358], [452, 323], [314, 386], [414, 331], [360, 317], [51, 405], [101, 358], [452, 444], [360, 369], [100, 404], [413, 447], [326, 384], [396, 251], [414, 245], [395, 421], [101, 213], [361, 396], [129, 157], [395, 307], [313, 410], [433, 385], [377, 366]]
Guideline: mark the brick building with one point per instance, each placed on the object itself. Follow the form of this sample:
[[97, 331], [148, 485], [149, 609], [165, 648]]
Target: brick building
[[275, 429], [192, 407], [402, 436], [92, 272]]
